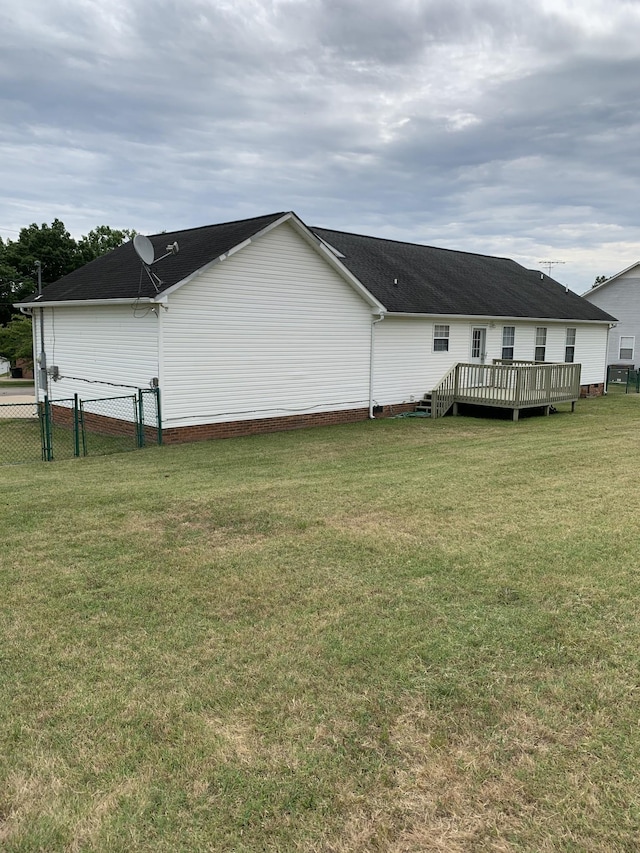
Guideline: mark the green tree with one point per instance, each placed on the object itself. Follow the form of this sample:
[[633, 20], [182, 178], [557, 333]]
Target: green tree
[[101, 240], [16, 341], [52, 245], [58, 253], [13, 286]]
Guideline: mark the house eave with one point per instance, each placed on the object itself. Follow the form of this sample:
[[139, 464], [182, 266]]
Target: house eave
[[76, 303], [602, 284], [221, 258], [323, 249], [315, 242], [494, 318]]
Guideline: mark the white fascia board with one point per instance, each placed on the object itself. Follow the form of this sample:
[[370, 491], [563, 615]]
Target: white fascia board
[[319, 245], [76, 303], [224, 256], [609, 280], [480, 318], [311, 239]]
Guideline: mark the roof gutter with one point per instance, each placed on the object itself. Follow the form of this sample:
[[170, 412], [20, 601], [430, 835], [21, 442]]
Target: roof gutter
[[493, 318], [75, 303]]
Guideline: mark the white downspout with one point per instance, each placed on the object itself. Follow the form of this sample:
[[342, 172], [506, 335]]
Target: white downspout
[[606, 358], [163, 306], [371, 362]]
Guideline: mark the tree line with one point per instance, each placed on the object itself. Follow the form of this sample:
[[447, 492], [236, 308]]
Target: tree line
[[59, 254]]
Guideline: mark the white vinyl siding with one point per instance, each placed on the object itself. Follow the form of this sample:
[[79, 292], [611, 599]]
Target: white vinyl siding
[[271, 331], [406, 366], [590, 346], [621, 299], [100, 349], [403, 356]]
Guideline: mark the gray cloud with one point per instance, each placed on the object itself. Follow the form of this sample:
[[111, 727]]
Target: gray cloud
[[494, 126]]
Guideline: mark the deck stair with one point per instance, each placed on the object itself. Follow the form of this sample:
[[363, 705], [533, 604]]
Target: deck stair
[[424, 406], [505, 383]]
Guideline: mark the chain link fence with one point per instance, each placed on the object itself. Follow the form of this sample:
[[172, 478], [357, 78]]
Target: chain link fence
[[64, 429], [625, 376], [20, 433]]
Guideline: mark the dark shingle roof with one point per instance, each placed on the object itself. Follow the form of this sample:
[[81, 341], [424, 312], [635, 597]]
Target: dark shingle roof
[[442, 281], [429, 280], [119, 274]]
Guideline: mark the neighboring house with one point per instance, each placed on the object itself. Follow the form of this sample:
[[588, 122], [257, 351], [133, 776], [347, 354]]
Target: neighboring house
[[266, 324], [23, 368], [620, 296]]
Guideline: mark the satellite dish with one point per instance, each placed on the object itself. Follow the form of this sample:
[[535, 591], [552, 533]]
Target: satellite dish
[[144, 249]]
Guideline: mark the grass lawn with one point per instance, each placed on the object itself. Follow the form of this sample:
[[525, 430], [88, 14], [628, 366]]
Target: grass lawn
[[405, 636], [6, 382], [21, 439]]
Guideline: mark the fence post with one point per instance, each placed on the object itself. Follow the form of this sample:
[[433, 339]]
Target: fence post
[[76, 427], [47, 449], [140, 429], [82, 428], [43, 442], [158, 415]]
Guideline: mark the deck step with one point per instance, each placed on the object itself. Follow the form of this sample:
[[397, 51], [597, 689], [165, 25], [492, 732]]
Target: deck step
[[424, 406]]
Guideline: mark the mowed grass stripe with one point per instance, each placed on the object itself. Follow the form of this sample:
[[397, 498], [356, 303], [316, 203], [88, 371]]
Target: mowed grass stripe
[[402, 636]]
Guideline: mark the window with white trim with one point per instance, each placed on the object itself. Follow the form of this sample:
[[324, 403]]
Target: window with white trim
[[508, 341], [541, 343], [440, 338], [570, 345], [627, 346]]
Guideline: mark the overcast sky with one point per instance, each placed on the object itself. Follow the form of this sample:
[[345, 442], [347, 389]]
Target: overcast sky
[[507, 127]]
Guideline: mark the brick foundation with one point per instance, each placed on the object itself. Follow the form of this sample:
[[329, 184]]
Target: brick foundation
[[233, 429], [594, 390], [101, 424], [62, 416]]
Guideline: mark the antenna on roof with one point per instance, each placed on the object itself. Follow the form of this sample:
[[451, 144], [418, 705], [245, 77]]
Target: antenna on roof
[[550, 264], [144, 250]]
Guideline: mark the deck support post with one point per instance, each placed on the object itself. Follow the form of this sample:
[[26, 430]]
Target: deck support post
[[573, 405], [516, 414], [547, 409], [454, 411]]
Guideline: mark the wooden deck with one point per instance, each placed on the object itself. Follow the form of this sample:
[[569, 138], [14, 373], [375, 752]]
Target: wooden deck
[[508, 385]]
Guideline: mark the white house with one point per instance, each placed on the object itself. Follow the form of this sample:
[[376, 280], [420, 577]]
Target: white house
[[620, 296], [268, 324]]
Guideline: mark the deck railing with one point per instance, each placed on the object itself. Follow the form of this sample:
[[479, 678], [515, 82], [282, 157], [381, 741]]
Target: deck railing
[[444, 394], [509, 385]]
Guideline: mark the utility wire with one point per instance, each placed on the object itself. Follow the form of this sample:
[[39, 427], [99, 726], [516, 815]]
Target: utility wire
[[98, 382]]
